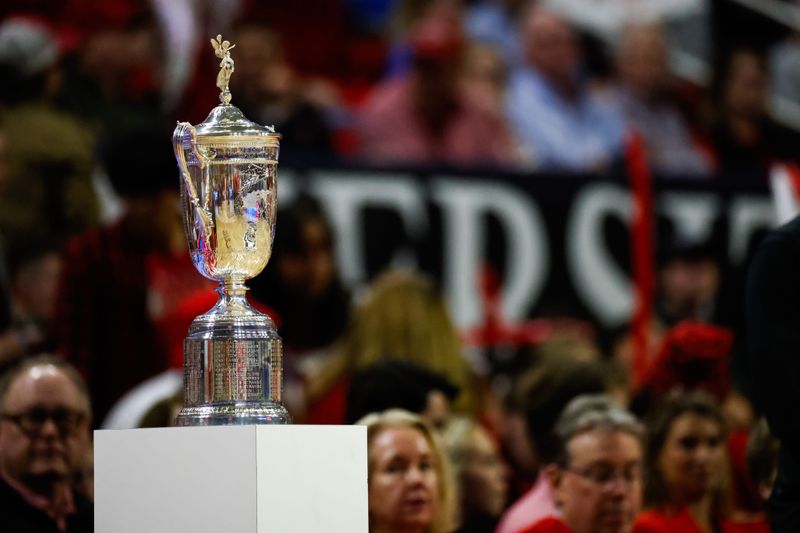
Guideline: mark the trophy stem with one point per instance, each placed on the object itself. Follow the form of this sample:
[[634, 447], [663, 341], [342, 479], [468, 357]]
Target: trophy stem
[[232, 288]]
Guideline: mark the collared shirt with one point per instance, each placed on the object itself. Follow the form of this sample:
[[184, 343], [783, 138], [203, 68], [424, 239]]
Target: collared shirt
[[583, 134], [533, 506], [392, 132], [58, 510]]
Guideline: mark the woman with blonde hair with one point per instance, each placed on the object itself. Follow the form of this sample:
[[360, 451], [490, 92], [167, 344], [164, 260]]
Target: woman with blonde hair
[[403, 316], [480, 474], [410, 488]]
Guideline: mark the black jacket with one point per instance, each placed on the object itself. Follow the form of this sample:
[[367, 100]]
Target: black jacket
[[773, 334], [18, 516]]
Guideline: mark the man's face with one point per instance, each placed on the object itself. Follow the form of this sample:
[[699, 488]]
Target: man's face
[[44, 429], [601, 488], [552, 47]]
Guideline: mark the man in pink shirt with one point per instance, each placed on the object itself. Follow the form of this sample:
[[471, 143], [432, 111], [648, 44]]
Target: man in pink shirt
[[540, 397], [423, 116]]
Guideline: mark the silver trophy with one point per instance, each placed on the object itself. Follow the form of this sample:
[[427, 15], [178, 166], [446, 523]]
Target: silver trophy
[[233, 372]]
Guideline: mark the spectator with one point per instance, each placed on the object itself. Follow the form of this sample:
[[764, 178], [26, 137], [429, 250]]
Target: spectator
[[35, 272], [113, 81], [301, 282], [484, 77], [687, 487], [689, 279], [400, 384], [692, 356], [559, 122], [268, 91], [44, 439], [403, 316], [410, 489], [481, 475], [47, 190], [746, 140], [404, 16], [302, 287], [597, 479], [422, 117], [540, 396], [645, 102], [121, 282]]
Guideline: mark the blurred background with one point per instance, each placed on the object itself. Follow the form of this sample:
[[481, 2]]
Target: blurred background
[[472, 186]]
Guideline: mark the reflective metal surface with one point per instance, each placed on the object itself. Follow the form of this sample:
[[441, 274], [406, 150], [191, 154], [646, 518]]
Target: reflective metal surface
[[232, 354]]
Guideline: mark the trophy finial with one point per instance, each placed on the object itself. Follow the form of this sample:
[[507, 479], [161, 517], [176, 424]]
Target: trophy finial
[[222, 49]]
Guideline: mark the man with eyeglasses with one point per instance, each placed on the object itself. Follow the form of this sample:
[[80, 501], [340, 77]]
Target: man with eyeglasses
[[597, 480], [44, 439]]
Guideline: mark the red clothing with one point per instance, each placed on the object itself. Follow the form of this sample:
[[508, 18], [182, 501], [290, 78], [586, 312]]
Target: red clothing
[[548, 525], [755, 526], [659, 521], [392, 132], [330, 408], [105, 315]]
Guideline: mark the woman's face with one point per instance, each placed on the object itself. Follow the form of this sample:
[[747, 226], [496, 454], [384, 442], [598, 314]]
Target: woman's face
[[403, 483], [692, 458], [485, 476]]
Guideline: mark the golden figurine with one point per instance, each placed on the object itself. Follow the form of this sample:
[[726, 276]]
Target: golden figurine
[[222, 49]]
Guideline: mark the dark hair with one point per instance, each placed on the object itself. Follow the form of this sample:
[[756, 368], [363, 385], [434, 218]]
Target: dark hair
[[11, 375], [722, 75], [674, 405], [589, 412], [140, 162], [23, 253], [543, 392], [393, 383], [292, 219]]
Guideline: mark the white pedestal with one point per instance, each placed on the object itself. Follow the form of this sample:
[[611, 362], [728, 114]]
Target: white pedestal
[[231, 479]]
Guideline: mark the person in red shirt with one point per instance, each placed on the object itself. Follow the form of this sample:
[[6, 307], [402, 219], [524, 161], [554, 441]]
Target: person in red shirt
[[687, 489], [597, 482]]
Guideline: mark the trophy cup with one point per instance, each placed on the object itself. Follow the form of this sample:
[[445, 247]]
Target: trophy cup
[[232, 354]]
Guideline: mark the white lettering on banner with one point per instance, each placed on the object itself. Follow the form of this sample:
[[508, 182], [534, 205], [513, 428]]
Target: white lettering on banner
[[692, 214], [463, 205], [599, 282], [344, 195], [747, 214]]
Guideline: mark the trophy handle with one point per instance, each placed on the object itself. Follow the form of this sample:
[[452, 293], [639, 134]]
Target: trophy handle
[[185, 135]]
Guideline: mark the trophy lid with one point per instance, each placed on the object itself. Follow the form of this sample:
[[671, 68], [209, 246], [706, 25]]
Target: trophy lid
[[226, 120]]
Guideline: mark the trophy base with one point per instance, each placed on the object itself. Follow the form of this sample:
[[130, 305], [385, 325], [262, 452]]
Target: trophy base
[[233, 414]]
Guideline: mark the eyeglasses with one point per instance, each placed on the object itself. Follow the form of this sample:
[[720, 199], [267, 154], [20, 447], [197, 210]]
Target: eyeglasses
[[604, 476], [32, 422]]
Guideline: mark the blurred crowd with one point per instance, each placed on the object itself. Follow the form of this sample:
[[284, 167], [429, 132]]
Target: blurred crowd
[[94, 264]]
